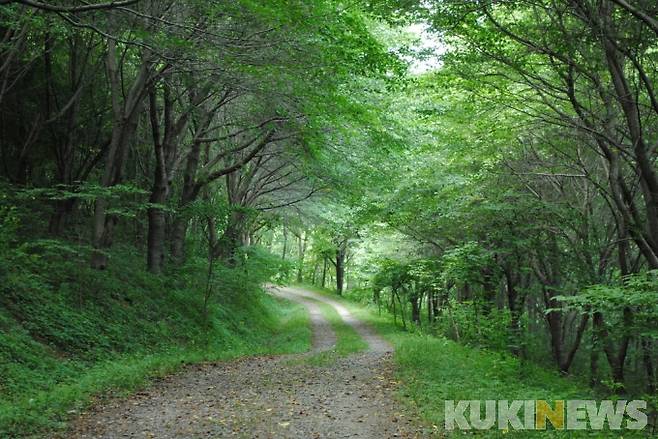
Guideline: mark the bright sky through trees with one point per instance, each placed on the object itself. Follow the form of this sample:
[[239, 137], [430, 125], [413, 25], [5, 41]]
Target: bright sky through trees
[[430, 48]]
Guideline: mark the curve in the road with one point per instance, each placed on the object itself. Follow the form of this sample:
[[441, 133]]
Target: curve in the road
[[375, 342], [267, 397]]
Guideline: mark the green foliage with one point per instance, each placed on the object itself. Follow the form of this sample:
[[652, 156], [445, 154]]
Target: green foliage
[[638, 292], [464, 264], [9, 223], [70, 332], [463, 322]]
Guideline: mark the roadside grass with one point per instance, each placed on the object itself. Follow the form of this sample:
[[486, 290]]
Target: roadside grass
[[433, 369], [70, 335], [51, 409], [348, 341]]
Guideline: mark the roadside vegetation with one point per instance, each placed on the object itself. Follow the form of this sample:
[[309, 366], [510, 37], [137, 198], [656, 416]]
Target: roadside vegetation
[[71, 334], [432, 368]]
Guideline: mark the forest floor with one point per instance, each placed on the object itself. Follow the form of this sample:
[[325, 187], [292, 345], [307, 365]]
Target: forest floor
[[291, 396]]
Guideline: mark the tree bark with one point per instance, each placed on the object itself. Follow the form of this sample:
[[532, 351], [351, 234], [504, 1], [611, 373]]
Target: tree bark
[[284, 252], [232, 239], [302, 253], [315, 272], [188, 195], [648, 365], [515, 305], [415, 308], [166, 161], [341, 253], [156, 219], [324, 271], [125, 120], [616, 356]]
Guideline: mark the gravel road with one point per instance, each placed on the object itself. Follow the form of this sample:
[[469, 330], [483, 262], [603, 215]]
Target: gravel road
[[268, 397]]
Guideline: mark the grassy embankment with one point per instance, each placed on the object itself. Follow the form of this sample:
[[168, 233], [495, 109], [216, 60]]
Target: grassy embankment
[[69, 334], [432, 369]]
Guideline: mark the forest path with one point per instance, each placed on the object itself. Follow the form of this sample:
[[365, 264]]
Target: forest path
[[268, 397]]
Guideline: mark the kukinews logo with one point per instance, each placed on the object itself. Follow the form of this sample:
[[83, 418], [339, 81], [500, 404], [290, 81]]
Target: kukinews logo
[[537, 414]]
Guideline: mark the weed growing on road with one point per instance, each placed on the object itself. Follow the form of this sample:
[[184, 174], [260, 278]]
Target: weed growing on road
[[348, 341]]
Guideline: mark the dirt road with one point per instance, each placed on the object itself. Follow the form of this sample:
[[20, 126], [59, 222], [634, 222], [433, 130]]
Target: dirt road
[[267, 397]]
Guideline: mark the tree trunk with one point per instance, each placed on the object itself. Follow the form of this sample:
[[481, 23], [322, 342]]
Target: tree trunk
[[631, 110], [156, 228], [166, 156], [616, 359], [340, 269], [284, 252], [232, 239], [189, 192], [415, 309], [315, 272], [489, 290], [515, 307], [402, 311], [302, 253], [125, 120], [178, 235], [156, 237], [59, 217], [188, 195], [324, 271], [594, 359], [648, 365], [555, 322]]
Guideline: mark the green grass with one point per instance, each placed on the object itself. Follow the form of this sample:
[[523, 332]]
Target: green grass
[[70, 334], [50, 409], [348, 341], [434, 369]]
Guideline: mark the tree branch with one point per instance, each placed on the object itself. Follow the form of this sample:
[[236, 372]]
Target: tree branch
[[84, 8]]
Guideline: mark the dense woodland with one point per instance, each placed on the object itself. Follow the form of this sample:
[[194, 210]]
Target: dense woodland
[[498, 186]]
